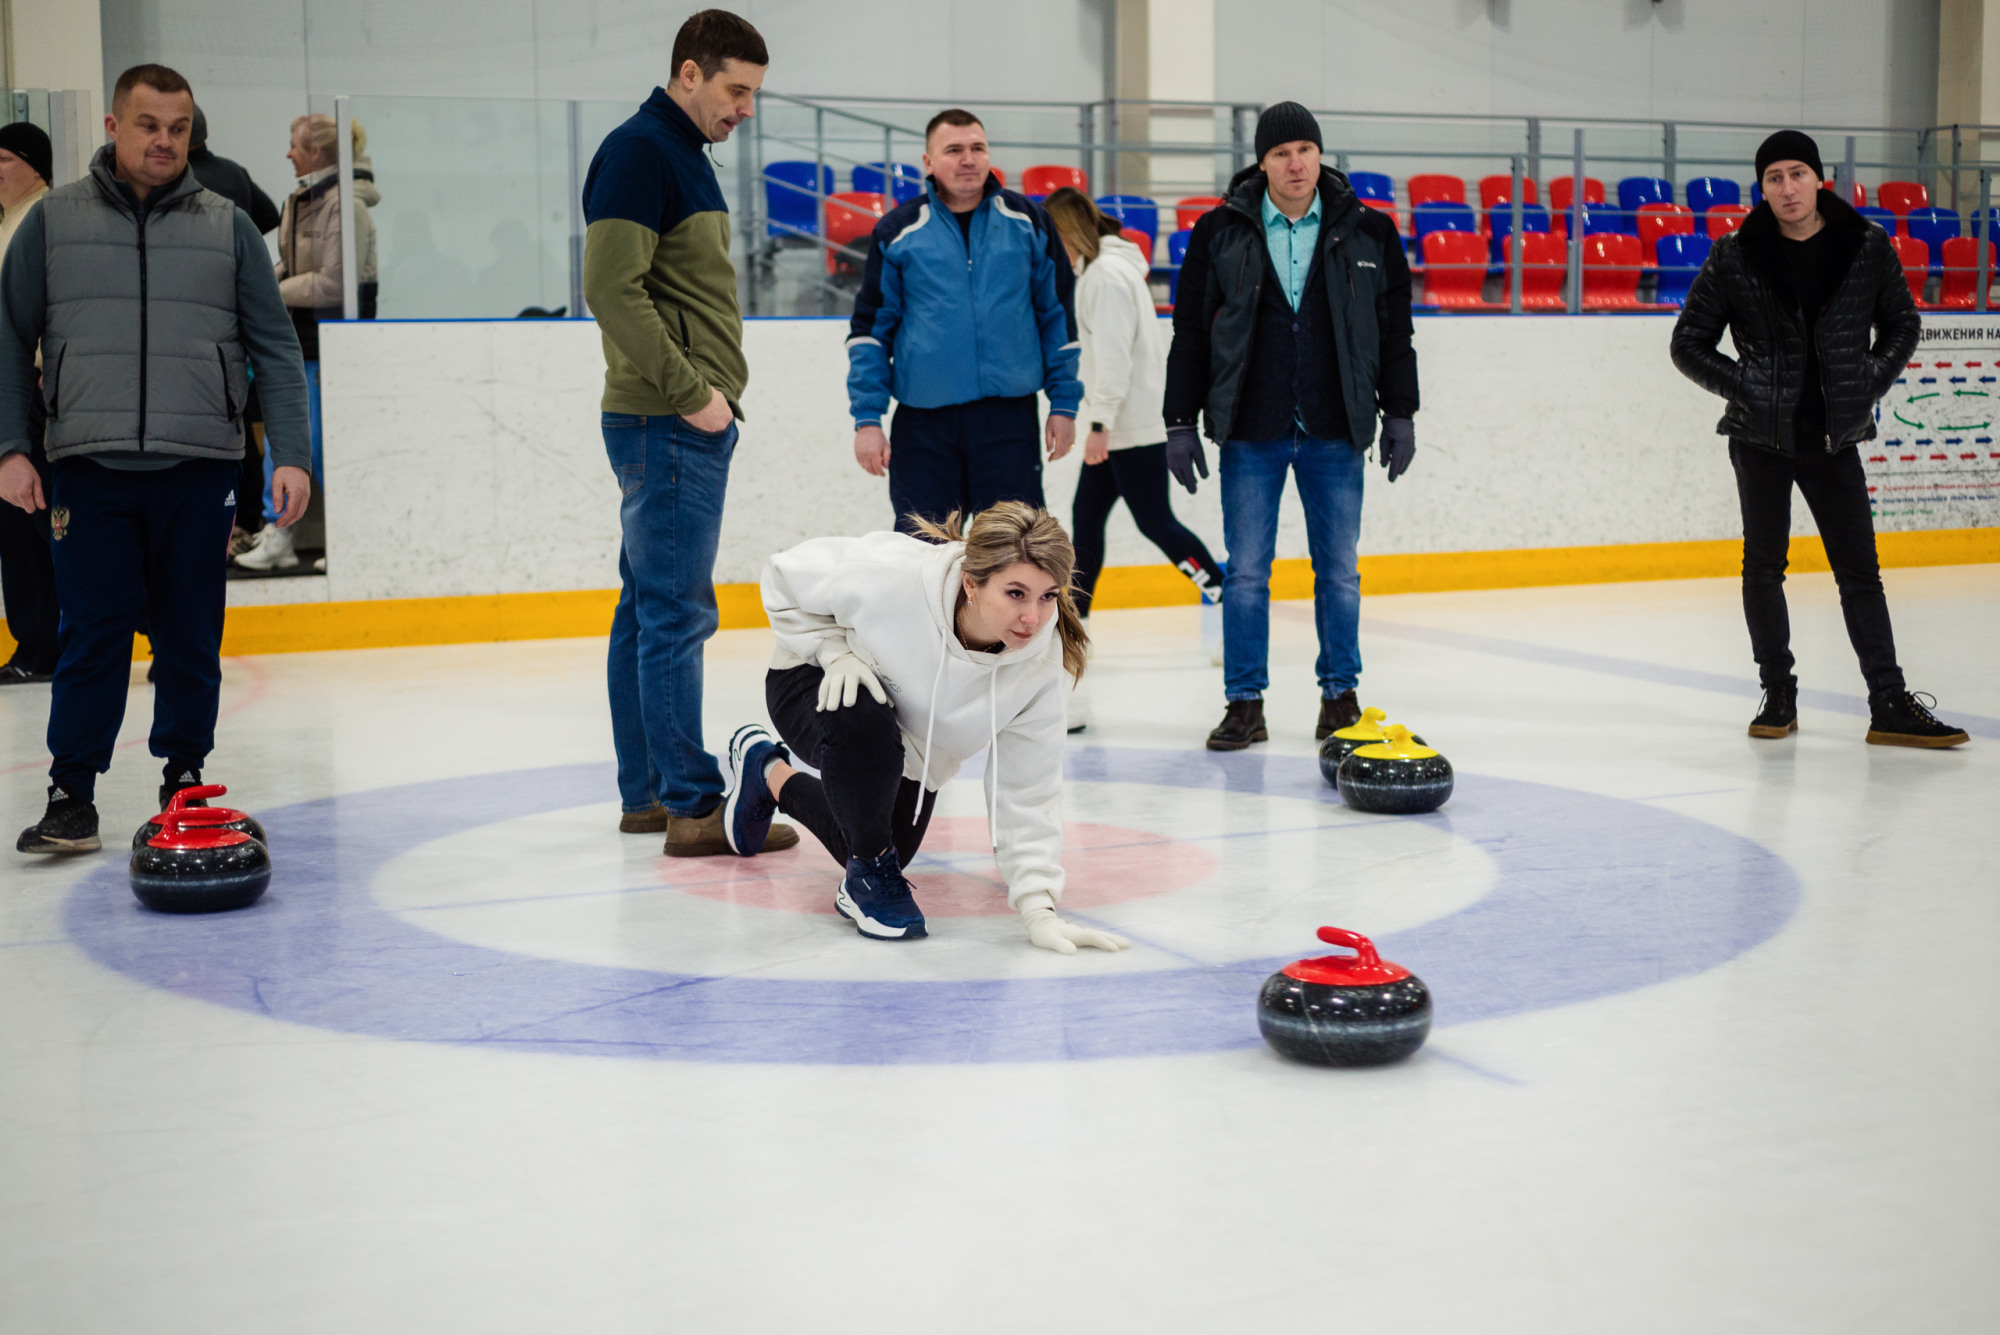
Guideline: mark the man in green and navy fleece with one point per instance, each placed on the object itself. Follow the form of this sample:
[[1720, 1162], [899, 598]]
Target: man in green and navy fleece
[[657, 275]]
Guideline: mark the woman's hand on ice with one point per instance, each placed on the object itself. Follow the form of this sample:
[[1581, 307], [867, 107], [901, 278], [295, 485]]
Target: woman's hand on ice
[[1049, 932], [841, 686]]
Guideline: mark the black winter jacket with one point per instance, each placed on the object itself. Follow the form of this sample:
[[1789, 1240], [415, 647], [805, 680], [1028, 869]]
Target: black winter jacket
[[1866, 332], [1215, 314]]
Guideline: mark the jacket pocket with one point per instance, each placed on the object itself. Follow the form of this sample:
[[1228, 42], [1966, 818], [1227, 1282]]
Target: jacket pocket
[[235, 384], [52, 377]]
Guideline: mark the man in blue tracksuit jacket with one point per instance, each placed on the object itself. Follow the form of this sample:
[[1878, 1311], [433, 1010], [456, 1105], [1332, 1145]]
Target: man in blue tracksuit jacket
[[966, 310]]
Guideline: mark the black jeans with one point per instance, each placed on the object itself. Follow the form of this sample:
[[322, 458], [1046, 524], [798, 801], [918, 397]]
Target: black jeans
[[861, 803], [964, 457], [1139, 475], [1836, 491], [28, 577]]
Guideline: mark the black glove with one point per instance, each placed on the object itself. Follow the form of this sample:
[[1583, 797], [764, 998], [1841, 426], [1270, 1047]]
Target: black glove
[[1184, 455], [1399, 445]]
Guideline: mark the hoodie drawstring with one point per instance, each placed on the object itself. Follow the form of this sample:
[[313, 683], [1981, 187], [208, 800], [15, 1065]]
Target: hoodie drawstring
[[930, 726], [992, 743]]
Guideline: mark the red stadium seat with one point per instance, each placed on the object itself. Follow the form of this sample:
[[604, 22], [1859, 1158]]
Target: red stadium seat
[[850, 217], [1961, 272], [1561, 190], [1611, 262], [1387, 206], [998, 175], [1658, 220], [1188, 211], [1497, 190], [1436, 188], [1139, 239], [1041, 182], [1543, 260], [1858, 196], [1455, 270], [1899, 197], [1725, 218], [1916, 257]]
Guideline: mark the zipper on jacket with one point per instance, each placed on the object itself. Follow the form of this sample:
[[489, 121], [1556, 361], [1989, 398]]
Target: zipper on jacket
[[687, 344], [142, 329], [228, 400]]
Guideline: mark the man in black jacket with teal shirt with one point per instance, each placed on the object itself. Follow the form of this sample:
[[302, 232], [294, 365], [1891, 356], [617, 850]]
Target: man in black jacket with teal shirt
[[1291, 334], [1814, 298]]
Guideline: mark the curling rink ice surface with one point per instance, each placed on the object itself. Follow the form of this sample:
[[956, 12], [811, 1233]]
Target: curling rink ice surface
[[1717, 1041]]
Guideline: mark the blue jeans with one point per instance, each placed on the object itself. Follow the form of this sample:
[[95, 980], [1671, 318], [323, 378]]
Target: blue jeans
[[318, 465], [672, 478], [1329, 474]]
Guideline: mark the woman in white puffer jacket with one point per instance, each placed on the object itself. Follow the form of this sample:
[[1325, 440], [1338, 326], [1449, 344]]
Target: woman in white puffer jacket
[[897, 660]]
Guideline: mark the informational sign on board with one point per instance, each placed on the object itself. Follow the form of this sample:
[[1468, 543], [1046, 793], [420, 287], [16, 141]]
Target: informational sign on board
[[1935, 461]]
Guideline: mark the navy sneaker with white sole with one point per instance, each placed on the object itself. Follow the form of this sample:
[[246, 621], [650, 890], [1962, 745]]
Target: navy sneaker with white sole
[[877, 900], [747, 803]]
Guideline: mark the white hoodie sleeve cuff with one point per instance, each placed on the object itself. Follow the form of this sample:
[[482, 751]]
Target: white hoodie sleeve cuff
[[1035, 899]]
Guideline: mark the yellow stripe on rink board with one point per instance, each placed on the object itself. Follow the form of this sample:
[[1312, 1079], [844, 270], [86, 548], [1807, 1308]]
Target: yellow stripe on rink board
[[387, 622]]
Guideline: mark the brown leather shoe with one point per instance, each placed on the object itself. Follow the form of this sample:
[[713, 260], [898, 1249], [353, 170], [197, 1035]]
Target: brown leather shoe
[[781, 837], [1342, 711], [697, 836], [653, 820], [1242, 723]]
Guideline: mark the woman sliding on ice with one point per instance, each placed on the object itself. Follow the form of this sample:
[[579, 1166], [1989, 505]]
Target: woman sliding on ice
[[898, 659]]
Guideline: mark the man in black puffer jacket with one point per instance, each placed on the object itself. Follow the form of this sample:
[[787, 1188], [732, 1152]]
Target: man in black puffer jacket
[[1291, 332], [1813, 296]]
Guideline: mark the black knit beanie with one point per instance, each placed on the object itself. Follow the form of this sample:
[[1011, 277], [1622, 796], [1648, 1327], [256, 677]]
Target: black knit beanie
[[1789, 146], [28, 142], [1286, 123]]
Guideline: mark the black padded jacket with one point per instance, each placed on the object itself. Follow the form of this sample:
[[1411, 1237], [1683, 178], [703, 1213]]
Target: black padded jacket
[[1215, 314], [1866, 332]]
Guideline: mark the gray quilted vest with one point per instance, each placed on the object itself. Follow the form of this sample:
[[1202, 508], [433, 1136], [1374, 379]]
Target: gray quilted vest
[[141, 350]]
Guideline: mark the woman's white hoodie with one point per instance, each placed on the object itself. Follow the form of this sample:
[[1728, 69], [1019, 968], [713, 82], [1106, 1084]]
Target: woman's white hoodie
[[1124, 362], [891, 601]]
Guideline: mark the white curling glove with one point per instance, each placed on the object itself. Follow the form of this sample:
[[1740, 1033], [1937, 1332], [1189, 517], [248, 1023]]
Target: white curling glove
[[841, 686], [1049, 932]]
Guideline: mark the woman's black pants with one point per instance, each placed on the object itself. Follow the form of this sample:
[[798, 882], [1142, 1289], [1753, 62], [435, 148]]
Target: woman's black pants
[[1836, 491], [861, 803], [1139, 475]]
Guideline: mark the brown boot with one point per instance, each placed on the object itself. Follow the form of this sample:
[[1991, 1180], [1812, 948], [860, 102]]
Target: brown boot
[[1242, 723], [701, 836], [653, 820], [1335, 713]]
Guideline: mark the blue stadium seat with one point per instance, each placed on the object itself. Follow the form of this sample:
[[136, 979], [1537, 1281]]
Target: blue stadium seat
[[1882, 218], [1703, 191], [1372, 185], [874, 177], [1500, 223], [1992, 222], [791, 206], [1636, 190], [1934, 227], [1681, 257], [1599, 219], [1441, 217], [1135, 211], [1177, 245]]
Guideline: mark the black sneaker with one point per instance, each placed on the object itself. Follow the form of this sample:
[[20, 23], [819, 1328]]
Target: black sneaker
[[1336, 712], [1242, 723], [1904, 718], [14, 674], [68, 826], [1777, 713], [186, 777], [877, 900]]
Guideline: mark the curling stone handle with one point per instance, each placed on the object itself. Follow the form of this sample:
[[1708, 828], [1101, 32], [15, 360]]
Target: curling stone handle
[[1354, 941], [201, 792]]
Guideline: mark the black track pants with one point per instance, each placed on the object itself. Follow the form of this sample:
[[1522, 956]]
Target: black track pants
[[1139, 476]]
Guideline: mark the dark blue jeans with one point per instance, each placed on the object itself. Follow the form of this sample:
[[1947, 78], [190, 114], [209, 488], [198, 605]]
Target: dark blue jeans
[[135, 548], [1329, 476], [672, 478]]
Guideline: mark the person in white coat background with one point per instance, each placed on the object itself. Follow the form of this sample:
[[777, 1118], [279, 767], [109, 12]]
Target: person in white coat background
[[1124, 370], [897, 660]]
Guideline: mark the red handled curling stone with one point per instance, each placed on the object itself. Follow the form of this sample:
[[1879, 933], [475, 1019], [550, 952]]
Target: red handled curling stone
[[195, 799], [1395, 776], [195, 865], [1345, 1010]]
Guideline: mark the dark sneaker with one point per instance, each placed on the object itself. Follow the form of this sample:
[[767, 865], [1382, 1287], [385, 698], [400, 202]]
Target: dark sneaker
[[68, 826], [877, 900], [1341, 711], [1778, 713], [185, 777], [13, 674], [1904, 718], [703, 836], [747, 803], [653, 820], [1242, 723]]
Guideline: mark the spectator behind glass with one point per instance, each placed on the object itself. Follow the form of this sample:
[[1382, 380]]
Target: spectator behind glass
[[309, 280], [27, 571]]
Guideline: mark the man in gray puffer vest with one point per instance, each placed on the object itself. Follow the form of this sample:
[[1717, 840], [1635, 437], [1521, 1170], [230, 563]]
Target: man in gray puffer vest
[[150, 299]]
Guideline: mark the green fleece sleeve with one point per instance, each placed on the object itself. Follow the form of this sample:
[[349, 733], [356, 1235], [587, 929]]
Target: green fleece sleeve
[[617, 258]]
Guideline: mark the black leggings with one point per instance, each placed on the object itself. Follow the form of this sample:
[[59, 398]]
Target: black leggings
[[1836, 491], [861, 803], [1138, 474]]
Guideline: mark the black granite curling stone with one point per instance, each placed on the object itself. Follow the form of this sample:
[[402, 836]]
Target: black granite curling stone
[[1395, 776], [196, 799], [193, 865], [1343, 742], [1345, 1010]]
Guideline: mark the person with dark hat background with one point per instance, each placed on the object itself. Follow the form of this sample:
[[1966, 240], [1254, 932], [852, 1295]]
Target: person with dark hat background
[[27, 571], [1813, 297], [1291, 335]]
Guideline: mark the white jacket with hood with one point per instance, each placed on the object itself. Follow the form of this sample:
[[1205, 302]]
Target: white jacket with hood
[[1124, 366], [891, 601]]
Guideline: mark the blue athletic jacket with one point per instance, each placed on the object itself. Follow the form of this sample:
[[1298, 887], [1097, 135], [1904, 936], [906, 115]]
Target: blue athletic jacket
[[936, 326]]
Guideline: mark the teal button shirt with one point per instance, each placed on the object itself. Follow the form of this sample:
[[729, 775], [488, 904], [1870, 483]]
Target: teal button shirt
[[1291, 245]]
